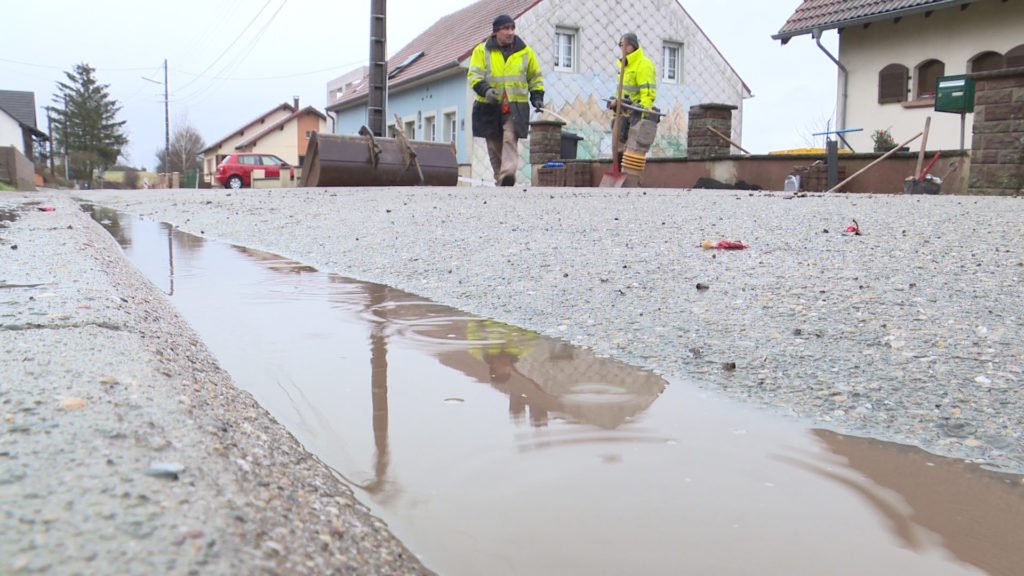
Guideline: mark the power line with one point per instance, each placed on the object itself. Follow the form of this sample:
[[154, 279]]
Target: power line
[[65, 68], [225, 51], [240, 57], [343, 66]]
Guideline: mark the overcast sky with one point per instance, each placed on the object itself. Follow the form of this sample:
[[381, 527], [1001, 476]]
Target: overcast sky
[[230, 60]]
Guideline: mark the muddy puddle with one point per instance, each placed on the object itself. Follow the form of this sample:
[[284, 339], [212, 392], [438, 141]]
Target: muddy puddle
[[489, 449]]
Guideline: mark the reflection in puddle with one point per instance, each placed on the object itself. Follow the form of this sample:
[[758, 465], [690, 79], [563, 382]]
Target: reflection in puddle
[[490, 449]]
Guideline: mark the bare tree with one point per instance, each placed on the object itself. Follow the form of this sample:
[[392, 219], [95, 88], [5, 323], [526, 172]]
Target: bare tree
[[186, 143]]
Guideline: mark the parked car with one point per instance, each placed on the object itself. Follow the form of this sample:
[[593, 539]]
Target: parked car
[[235, 171]]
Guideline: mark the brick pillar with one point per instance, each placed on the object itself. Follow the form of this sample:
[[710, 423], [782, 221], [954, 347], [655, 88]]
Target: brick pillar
[[997, 145], [702, 143], [545, 141]]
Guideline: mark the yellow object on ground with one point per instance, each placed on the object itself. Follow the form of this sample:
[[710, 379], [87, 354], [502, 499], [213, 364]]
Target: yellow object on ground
[[795, 151]]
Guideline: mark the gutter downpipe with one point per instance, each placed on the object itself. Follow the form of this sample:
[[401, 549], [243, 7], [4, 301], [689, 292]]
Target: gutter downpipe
[[841, 124]]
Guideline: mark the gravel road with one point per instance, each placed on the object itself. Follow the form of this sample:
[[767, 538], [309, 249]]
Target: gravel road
[[911, 331], [125, 448]]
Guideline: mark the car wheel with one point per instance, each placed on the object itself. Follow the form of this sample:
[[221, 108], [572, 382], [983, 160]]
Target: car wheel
[[235, 182]]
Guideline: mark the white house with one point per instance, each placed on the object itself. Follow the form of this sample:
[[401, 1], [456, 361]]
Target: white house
[[891, 52], [576, 44], [18, 121]]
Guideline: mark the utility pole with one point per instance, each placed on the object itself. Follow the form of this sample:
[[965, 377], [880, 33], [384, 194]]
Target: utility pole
[[167, 118], [378, 89], [67, 173], [49, 132], [167, 123]]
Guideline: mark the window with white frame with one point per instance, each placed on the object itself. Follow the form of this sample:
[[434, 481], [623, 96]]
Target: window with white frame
[[672, 63], [565, 49], [430, 128], [410, 129], [450, 127]]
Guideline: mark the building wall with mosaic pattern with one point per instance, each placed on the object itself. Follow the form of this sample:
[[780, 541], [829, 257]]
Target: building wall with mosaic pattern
[[578, 94]]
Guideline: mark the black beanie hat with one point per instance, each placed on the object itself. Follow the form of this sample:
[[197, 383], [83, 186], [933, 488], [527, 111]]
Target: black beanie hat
[[501, 22]]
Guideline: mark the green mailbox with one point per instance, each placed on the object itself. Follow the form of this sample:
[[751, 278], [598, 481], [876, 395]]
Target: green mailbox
[[954, 94]]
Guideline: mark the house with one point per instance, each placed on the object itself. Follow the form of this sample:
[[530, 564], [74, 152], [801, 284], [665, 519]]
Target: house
[[576, 42], [891, 52], [284, 131], [18, 122]]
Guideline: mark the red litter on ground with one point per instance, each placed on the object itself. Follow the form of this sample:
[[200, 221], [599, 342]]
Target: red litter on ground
[[852, 229], [723, 245], [46, 208]]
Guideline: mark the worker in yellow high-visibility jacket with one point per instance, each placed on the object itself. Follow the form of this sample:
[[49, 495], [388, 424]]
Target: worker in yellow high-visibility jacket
[[639, 81], [505, 74]]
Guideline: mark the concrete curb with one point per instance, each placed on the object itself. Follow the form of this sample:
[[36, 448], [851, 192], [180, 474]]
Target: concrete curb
[[125, 448]]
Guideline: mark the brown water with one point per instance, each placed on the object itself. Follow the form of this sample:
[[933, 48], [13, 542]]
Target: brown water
[[493, 450]]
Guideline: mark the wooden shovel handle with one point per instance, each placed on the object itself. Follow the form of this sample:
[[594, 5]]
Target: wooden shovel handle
[[618, 118]]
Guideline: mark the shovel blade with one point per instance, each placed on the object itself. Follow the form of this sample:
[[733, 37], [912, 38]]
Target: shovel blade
[[612, 180]]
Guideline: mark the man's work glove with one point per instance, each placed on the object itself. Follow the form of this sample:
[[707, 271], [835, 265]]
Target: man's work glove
[[537, 99], [612, 101], [492, 96]]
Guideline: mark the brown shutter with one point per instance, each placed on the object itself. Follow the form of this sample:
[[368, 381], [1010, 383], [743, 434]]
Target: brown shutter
[[987, 61], [892, 84], [1015, 57]]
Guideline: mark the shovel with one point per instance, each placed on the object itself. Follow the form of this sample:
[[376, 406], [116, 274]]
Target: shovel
[[615, 178]]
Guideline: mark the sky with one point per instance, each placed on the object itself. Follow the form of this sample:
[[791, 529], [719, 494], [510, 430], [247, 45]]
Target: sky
[[231, 60]]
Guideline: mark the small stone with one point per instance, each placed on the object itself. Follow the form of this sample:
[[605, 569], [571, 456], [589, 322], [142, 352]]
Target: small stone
[[168, 470], [959, 428], [72, 404]]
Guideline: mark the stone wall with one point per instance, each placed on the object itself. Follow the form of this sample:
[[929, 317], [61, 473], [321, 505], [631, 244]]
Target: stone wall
[[16, 169], [997, 146], [703, 143]]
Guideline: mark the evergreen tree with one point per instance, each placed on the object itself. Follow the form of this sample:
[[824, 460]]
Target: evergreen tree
[[85, 123]]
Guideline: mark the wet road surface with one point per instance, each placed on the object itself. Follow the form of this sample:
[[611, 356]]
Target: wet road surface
[[493, 450]]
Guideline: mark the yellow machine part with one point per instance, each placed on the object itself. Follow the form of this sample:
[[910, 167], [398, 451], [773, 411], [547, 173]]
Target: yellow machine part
[[633, 162]]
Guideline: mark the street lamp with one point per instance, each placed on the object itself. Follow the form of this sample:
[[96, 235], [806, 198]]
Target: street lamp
[[167, 118]]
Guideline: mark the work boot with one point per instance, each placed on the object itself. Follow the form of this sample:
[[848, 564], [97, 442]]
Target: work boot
[[508, 180]]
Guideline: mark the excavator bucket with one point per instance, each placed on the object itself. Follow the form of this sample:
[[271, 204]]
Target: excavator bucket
[[366, 160]]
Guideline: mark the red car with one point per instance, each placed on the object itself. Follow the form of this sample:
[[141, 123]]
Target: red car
[[235, 171]]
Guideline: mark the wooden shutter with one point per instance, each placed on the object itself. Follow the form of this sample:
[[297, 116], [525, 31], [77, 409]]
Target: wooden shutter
[[1015, 57], [892, 84], [987, 61]]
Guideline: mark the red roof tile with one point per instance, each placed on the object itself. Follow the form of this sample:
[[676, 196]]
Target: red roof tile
[[449, 41], [828, 14]]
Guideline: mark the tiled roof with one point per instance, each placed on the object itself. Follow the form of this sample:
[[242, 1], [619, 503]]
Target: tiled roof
[[828, 14], [21, 106], [256, 137], [449, 41], [240, 131]]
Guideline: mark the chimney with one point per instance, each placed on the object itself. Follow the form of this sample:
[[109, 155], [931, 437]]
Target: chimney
[[295, 99]]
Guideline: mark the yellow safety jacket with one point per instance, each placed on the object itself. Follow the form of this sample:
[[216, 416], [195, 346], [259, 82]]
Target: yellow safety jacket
[[515, 78], [639, 82], [490, 337]]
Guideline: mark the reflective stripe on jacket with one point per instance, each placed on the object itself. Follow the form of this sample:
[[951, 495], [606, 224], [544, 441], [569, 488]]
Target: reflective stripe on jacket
[[639, 82]]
